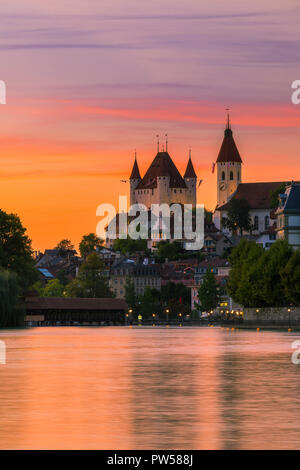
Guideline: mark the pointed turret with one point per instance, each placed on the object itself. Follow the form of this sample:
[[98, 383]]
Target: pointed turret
[[134, 180], [190, 172], [135, 174], [228, 151], [190, 179]]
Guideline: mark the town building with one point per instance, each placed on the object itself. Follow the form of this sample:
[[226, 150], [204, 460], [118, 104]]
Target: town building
[[142, 275], [55, 262], [288, 216], [230, 186]]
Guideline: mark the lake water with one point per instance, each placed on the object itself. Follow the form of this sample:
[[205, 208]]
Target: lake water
[[149, 388]]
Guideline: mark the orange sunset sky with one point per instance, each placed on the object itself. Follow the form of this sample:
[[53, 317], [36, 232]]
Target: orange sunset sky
[[88, 82]]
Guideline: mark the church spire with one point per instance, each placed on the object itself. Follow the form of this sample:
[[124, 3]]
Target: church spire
[[135, 174], [228, 151]]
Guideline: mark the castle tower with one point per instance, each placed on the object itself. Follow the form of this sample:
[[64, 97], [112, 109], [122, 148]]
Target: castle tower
[[229, 167], [134, 180], [190, 179]]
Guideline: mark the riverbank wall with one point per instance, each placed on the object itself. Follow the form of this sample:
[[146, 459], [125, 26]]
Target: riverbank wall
[[272, 317]]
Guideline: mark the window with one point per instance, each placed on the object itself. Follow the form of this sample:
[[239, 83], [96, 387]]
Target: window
[[266, 222], [223, 175], [238, 175], [231, 175], [255, 225]]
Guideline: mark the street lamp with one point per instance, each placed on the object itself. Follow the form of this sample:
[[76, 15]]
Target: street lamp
[[167, 312]]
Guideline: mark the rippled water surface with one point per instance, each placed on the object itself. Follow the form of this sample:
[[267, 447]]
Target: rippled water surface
[[149, 388]]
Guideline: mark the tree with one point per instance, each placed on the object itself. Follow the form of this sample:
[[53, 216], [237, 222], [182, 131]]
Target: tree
[[208, 293], [62, 276], [290, 276], [271, 265], [168, 250], [76, 288], [53, 288], [275, 195], [10, 312], [150, 303], [65, 245], [176, 297], [129, 246], [130, 295], [238, 215], [89, 244], [15, 249], [245, 280], [91, 280], [256, 275]]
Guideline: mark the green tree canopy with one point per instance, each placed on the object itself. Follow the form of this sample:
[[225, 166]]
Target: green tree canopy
[[130, 295], [256, 278], [128, 245], [53, 288], [89, 244], [275, 195], [91, 280], [244, 283], [238, 215], [176, 297], [15, 249], [271, 265], [168, 250], [150, 303], [290, 276], [208, 292], [10, 312], [65, 245]]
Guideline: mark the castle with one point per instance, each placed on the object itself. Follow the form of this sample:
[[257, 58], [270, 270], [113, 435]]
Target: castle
[[162, 183]]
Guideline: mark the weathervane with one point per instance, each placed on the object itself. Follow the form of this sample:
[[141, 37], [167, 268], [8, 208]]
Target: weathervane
[[228, 118]]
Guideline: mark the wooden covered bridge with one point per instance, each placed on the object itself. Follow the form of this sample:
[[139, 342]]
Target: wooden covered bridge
[[74, 311]]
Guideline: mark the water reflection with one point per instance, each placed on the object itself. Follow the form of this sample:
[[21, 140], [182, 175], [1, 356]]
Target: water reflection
[[137, 388]]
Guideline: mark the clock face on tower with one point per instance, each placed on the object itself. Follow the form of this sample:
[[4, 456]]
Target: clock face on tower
[[222, 186]]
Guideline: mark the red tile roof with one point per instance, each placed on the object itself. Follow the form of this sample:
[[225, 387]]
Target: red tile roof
[[258, 195], [162, 165], [228, 151]]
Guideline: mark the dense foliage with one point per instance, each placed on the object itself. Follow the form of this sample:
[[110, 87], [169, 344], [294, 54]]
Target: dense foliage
[[91, 280], [208, 292], [10, 312], [129, 246], [173, 297], [238, 217], [89, 244], [15, 249], [260, 278]]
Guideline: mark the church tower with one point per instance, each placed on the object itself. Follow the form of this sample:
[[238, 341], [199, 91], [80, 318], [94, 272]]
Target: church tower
[[229, 167], [190, 179], [134, 180]]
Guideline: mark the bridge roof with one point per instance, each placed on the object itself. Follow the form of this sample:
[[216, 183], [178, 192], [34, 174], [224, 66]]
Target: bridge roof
[[70, 303]]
